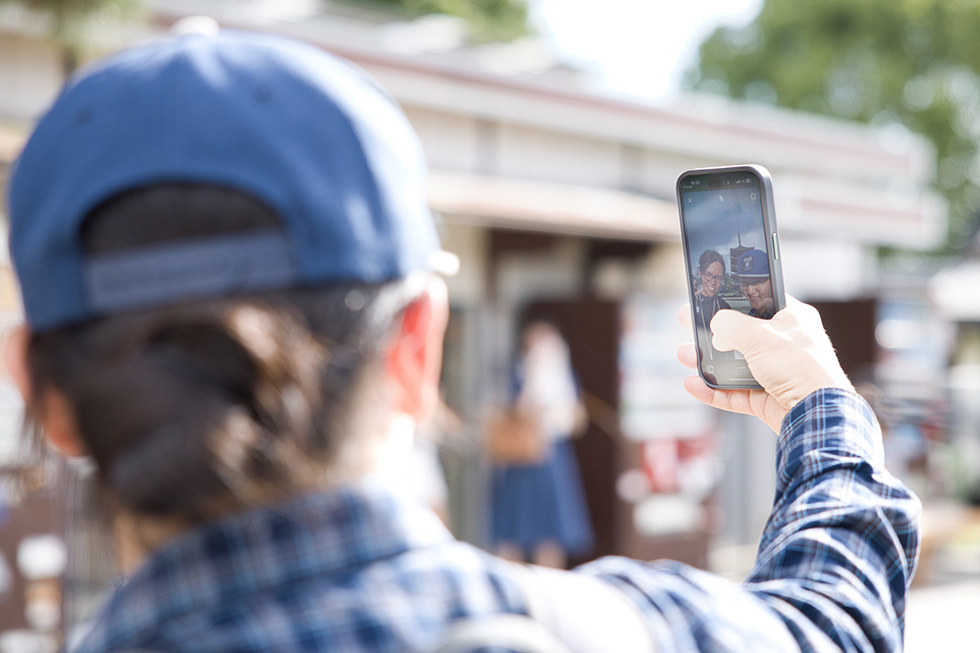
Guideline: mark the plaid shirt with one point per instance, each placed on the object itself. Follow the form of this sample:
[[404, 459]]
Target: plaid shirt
[[835, 561], [360, 569]]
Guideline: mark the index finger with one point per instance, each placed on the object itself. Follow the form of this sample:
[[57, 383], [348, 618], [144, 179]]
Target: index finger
[[687, 354], [684, 316]]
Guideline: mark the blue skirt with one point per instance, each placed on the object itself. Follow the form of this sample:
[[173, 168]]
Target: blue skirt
[[533, 504]]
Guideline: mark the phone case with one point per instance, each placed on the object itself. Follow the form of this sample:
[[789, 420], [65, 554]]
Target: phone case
[[724, 222]]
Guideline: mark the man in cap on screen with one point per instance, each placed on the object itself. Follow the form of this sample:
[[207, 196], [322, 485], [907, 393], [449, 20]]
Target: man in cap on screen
[[753, 276]]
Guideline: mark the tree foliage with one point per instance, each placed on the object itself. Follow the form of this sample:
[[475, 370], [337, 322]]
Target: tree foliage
[[69, 20], [489, 20], [912, 62]]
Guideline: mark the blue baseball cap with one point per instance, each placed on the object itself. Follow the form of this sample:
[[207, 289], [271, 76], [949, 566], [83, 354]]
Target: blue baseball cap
[[753, 264], [305, 132]]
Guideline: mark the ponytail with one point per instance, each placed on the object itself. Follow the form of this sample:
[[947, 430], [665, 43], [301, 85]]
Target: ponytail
[[189, 411]]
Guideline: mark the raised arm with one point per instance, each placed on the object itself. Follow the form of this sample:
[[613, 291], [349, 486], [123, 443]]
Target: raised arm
[[839, 549]]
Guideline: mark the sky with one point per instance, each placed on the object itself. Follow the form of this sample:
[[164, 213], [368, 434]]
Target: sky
[[640, 47], [721, 227]]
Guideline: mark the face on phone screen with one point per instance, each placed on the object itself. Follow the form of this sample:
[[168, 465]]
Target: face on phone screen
[[727, 238]]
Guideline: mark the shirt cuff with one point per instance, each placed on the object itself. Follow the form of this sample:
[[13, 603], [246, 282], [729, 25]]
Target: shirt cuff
[[832, 420]]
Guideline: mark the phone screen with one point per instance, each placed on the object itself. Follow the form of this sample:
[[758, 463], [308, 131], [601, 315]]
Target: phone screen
[[731, 250]]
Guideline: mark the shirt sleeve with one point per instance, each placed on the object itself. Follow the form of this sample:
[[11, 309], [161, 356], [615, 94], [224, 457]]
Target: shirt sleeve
[[835, 559]]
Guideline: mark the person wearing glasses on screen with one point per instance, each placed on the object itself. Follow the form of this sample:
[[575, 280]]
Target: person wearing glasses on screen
[[710, 279], [753, 277]]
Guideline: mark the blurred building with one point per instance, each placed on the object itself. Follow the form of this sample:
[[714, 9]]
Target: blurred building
[[560, 203]]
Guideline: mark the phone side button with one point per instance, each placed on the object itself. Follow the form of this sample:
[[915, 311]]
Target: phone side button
[[775, 246]]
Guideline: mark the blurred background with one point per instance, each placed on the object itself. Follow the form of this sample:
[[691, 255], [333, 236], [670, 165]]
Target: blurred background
[[555, 130]]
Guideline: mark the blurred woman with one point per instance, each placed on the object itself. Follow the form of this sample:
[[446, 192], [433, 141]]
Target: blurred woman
[[539, 511]]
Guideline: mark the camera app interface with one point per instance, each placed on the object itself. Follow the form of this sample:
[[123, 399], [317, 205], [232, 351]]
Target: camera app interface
[[727, 251]]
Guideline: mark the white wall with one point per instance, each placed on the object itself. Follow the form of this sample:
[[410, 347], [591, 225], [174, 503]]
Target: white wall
[[828, 270], [468, 286], [30, 77]]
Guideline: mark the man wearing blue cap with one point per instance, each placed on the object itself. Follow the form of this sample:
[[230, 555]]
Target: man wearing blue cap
[[228, 271], [753, 277]]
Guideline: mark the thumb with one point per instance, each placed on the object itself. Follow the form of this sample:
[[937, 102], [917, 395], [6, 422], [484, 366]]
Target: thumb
[[789, 355], [734, 330]]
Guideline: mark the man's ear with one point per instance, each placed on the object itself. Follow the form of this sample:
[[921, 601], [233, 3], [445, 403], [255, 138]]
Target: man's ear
[[415, 356], [53, 411]]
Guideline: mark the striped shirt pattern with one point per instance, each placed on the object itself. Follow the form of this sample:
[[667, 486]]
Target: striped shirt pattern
[[835, 561], [363, 569]]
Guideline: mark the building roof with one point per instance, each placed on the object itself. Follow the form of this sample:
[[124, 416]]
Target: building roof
[[617, 157]]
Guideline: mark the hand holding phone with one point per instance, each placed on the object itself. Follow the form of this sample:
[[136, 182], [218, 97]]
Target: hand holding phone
[[790, 355], [731, 250]]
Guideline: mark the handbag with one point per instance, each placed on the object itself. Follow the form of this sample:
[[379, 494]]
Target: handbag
[[514, 438]]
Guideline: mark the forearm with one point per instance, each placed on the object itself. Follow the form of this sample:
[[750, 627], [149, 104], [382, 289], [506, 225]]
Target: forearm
[[835, 560], [840, 547]]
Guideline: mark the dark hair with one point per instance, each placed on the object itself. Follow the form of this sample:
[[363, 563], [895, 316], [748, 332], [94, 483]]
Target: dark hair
[[708, 257], [193, 409]]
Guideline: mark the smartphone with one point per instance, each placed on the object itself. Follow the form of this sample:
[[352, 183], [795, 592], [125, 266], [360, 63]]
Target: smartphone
[[731, 250]]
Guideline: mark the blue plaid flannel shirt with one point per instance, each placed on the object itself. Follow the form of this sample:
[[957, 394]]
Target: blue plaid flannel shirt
[[360, 569]]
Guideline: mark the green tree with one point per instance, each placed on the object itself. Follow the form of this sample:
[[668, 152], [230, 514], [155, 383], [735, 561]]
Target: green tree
[[489, 20], [69, 22], [911, 62]]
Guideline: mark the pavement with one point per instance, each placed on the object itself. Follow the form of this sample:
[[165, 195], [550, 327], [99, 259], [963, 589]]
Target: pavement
[[944, 617], [944, 604], [943, 614]]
